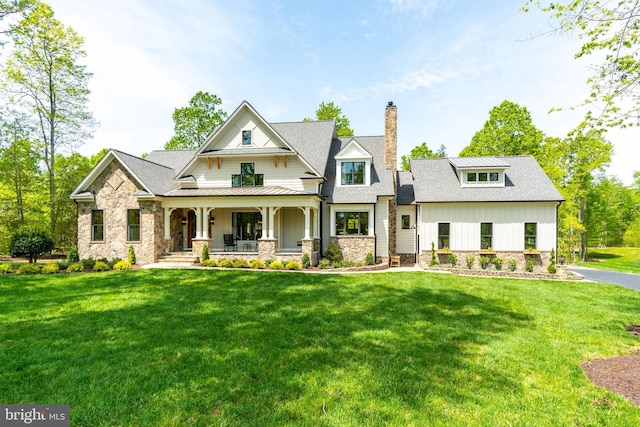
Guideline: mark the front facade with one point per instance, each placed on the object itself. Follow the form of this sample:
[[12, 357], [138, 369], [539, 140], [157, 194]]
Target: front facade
[[276, 191]]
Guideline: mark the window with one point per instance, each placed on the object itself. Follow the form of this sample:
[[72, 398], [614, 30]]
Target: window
[[471, 176], [352, 223], [97, 225], [133, 225], [247, 225], [482, 177], [493, 176], [406, 222], [247, 177], [486, 235], [353, 173], [246, 137], [443, 235], [530, 233]]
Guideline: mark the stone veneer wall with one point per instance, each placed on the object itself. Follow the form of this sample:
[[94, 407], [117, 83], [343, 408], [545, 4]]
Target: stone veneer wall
[[312, 247], [391, 161], [541, 260], [355, 248]]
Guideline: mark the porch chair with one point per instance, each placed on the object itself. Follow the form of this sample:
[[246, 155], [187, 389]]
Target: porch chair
[[229, 242]]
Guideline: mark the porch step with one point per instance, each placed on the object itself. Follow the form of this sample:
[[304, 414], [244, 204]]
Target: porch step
[[186, 257]]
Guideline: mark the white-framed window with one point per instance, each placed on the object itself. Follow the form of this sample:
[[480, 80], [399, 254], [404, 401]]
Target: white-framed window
[[482, 178], [352, 223], [97, 225], [133, 225], [530, 235], [486, 235], [246, 137], [406, 222], [352, 173], [444, 233]]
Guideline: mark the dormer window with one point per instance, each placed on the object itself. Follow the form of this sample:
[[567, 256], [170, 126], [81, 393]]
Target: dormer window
[[246, 137], [480, 171], [353, 165], [353, 173]]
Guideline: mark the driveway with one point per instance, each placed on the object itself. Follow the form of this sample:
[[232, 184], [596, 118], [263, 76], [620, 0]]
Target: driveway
[[628, 280]]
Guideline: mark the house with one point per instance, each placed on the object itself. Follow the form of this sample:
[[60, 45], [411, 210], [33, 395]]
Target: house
[[260, 190]]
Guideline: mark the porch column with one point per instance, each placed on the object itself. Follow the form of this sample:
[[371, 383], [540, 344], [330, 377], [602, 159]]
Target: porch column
[[205, 223], [307, 223], [272, 213], [198, 223], [167, 223]]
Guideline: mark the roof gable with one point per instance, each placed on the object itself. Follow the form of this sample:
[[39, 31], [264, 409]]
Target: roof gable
[[353, 150]]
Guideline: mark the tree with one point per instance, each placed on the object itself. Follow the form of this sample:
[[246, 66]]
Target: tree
[[13, 7], [193, 124], [509, 131], [330, 111], [44, 73], [611, 30], [31, 243], [422, 151]]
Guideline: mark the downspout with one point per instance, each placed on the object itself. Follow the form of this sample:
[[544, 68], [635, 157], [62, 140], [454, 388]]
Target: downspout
[[557, 225]]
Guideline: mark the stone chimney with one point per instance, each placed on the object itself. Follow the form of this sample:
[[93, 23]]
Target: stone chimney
[[391, 137]]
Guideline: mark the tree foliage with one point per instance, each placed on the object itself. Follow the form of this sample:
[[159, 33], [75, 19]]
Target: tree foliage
[[330, 111], [193, 124], [611, 34], [30, 243], [422, 151]]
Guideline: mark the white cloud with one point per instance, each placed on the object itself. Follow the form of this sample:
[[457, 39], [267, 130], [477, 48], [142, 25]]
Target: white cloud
[[423, 7]]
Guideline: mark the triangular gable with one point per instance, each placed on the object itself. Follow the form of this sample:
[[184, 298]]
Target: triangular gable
[[353, 150], [227, 137]]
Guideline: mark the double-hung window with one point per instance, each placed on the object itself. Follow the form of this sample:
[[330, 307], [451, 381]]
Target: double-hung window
[[486, 235], [133, 225], [530, 233], [353, 173], [247, 177], [97, 225], [444, 229], [356, 223]]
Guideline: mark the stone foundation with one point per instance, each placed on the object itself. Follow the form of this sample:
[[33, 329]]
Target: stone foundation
[[541, 259], [312, 247], [355, 248]]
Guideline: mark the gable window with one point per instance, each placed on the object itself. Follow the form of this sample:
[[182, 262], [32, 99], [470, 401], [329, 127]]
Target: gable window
[[246, 137], [247, 177], [406, 222], [530, 233], [247, 225], [353, 173], [486, 235], [355, 223], [471, 176], [133, 225], [443, 234], [97, 225]]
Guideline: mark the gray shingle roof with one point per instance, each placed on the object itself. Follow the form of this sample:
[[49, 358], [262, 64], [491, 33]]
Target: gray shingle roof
[[312, 140], [175, 159], [435, 180], [405, 188], [156, 177]]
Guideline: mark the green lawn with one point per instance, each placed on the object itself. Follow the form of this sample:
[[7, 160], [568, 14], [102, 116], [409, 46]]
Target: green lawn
[[194, 347], [626, 260]]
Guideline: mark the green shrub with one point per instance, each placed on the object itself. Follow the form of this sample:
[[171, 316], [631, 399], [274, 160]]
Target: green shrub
[[347, 263], [497, 262], [225, 263], [529, 266], [306, 260], [114, 262], [106, 261], [276, 265], [336, 264], [75, 267], [30, 243], [50, 268], [122, 265], [73, 256], [323, 263], [62, 265], [205, 253], [100, 266], [257, 263], [484, 262], [368, 259], [552, 257], [453, 259], [292, 265], [240, 263], [210, 263], [434, 260], [28, 268], [333, 253], [470, 258], [5, 268], [268, 262], [88, 263], [552, 269], [131, 255]]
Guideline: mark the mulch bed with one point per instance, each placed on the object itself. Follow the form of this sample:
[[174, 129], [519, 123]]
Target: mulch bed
[[619, 375]]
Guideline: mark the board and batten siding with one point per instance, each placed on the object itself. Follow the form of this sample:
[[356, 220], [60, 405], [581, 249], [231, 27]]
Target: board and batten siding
[[508, 220], [406, 238], [382, 227]]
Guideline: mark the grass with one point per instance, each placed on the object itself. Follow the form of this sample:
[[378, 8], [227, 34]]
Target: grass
[[175, 348], [625, 260]]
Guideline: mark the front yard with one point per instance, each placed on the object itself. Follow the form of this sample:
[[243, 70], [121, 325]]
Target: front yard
[[199, 347]]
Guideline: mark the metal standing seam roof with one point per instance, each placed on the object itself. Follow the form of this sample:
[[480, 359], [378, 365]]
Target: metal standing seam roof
[[478, 162], [235, 191]]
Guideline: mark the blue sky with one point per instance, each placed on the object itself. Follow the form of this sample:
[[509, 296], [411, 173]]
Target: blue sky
[[444, 63]]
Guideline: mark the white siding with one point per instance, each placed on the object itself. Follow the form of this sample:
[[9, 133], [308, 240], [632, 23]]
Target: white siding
[[382, 227], [406, 239], [508, 224], [261, 137]]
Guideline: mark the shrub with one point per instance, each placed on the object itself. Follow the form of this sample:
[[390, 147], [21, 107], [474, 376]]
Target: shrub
[[73, 256], [106, 261], [75, 267], [240, 263], [276, 265], [50, 268], [122, 265], [306, 260], [529, 266], [114, 262], [434, 260], [470, 258], [497, 262], [205, 253], [552, 257], [552, 269], [453, 259], [62, 265], [368, 259], [333, 253], [131, 255], [100, 266], [346, 263], [512, 263], [225, 263], [30, 243], [292, 265], [5, 268], [257, 263], [28, 268], [324, 263], [210, 263], [268, 262], [484, 262], [88, 263]]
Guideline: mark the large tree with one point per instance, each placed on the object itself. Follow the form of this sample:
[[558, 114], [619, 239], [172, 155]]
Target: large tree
[[194, 123], [422, 151], [13, 7], [509, 131], [330, 111], [44, 73], [611, 34]]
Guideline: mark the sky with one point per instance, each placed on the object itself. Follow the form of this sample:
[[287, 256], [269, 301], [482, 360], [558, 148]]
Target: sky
[[444, 63]]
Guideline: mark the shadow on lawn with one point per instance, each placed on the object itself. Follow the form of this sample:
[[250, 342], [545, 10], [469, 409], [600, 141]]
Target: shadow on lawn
[[255, 348]]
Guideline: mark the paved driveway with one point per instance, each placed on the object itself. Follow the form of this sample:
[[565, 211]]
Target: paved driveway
[[631, 281]]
